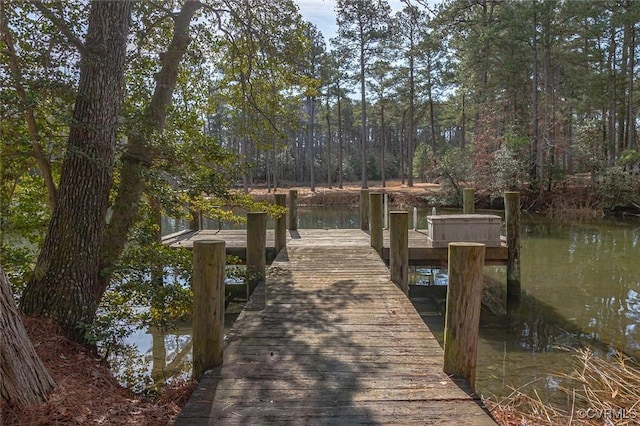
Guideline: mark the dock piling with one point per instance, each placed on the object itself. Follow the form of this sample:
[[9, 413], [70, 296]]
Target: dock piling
[[375, 201], [280, 232], [293, 209], [208, 305], [399, 249], [468, 201], [386, 211], [256, 249], [462, 318], [364, 209], [512, 223]]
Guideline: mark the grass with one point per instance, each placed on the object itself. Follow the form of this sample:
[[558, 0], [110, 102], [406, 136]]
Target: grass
[[598, 391]]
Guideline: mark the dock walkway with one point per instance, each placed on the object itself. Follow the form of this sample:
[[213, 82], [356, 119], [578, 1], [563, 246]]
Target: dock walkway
[[329, 339], [421, 253]]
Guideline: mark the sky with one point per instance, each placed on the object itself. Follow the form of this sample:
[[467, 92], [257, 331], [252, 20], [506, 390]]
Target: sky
[[322, 14]]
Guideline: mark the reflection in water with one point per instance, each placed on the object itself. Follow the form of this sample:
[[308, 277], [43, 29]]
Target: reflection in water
[[580, 286], [153, 357]]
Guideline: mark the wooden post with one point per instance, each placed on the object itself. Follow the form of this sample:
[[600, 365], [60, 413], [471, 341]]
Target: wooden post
[[375, 201], [468, 201], [512, 222], [386, 211], [280, 232], [256, 249], [462, 319], [415, 218], [364, 209], [399, 249], [293, 209], [208, 305]]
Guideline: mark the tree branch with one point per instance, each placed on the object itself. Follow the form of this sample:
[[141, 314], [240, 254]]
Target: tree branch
[[29, 115], [62, 27]]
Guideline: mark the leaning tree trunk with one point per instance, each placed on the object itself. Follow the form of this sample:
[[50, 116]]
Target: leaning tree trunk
[[139, 155], [25, 380], [65, 285]]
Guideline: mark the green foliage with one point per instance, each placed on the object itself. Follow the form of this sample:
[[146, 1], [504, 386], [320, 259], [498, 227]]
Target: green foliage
[[24, 219], [588, 148], [454, 169], [616, 187], [630, 160], [259, 71], [424, 162], [508, 173]]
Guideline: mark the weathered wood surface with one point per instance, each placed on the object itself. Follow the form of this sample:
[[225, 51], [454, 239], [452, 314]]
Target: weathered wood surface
[[420, 251], [329, 339], [399, 249], [462, 318], [208, 305], [512, 222]]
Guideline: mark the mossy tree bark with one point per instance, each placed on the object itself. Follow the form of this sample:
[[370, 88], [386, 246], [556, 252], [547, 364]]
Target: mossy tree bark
[[65, 285]]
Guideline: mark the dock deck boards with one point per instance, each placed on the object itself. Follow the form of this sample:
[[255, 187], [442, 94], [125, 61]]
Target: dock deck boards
[[421, 253], [328, 339]]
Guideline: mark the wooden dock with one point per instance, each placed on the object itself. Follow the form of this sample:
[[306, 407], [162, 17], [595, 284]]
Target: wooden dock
[[421, 253], [328, 339]]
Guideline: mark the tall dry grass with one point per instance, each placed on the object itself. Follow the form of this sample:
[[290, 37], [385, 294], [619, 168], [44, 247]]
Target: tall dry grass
[[599, 391]]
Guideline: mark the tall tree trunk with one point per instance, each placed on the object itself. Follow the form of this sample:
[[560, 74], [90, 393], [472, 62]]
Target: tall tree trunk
[[340, 141], [613, 108], [412, 131], [310, 141], [363, 116], [25, 380], [622, 106], [402, 136], [548, 106], [65, 284], [463, 125], [382, 144], [329, 136], [631, 118], [535, 166], [432, 115]]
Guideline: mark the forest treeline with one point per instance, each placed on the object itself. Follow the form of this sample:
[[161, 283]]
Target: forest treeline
[[508, 94], [116, 112]]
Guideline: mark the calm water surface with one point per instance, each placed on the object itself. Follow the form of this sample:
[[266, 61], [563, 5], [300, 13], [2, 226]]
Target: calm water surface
[[580, 287]]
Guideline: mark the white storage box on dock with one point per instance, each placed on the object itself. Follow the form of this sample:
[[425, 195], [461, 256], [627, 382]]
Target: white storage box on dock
[[479, 228]]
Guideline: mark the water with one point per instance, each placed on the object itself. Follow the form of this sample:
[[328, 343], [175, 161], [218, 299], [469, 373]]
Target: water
[[580, 287]]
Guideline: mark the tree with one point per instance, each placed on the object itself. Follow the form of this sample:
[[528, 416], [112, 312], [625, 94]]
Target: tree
[[25, 380], [312, 68], [65, 284], [361, 25], [381, 85], [337, 77], [139, 151], [260, 78], [410, 24]]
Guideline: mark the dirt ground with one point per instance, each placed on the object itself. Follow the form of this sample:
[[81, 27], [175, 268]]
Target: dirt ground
[[86, 392], [400, 195]]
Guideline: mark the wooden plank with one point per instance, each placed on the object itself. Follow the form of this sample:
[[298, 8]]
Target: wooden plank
[[420, 251], [412, 412], [329, 339]]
